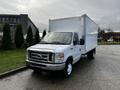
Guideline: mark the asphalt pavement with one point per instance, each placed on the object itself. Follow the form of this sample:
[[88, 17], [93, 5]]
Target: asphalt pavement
[[102, 73]]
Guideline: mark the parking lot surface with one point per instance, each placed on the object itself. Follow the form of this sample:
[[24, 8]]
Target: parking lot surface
[[102, 73]]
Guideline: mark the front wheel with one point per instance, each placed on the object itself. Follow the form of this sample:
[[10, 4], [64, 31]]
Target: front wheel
[[68, 69]]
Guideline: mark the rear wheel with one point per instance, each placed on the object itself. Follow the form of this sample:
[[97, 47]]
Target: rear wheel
[[68, 69], [91, 54]]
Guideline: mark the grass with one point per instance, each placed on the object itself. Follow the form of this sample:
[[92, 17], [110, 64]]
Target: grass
[[108, 43], [12, 59]]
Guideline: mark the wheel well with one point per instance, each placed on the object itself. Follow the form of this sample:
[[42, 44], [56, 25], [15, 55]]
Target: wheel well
[[70, 59], [92, 51]]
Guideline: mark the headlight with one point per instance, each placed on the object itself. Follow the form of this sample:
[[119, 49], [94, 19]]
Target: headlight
[[59, 56]]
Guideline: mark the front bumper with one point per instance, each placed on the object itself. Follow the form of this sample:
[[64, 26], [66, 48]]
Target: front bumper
[[45, 66]]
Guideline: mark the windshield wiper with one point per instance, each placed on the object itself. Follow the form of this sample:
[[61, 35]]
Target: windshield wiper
[[44, 42], [54, 42], [57, 42]]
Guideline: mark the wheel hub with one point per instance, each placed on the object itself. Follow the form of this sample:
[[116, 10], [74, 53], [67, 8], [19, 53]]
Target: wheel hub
[[69, 69]]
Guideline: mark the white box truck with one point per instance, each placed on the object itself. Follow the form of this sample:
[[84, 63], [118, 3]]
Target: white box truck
[[67, 40]]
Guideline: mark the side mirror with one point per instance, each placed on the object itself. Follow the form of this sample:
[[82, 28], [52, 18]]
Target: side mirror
[[74, 42], [82, 42]]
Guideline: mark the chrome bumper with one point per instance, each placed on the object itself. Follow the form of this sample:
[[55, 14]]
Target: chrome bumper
[[45, 66]]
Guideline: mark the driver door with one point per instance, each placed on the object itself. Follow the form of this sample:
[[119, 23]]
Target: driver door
[[76, 47]]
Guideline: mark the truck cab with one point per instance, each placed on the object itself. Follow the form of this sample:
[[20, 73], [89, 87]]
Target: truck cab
[[56, 51]]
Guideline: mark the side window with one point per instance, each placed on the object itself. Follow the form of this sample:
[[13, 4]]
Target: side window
[[76, 38]]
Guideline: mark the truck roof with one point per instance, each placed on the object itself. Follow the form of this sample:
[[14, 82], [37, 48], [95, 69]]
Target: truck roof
[[84, 15], [67, 17]]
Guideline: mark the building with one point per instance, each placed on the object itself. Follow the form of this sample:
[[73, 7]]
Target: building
[[14, 20], [113, 36], [116, 36]]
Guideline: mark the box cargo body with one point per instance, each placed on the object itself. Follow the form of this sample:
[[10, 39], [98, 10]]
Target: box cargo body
[[86, 28]]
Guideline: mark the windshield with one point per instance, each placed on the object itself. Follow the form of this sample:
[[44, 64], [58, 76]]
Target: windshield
[[57, 38]]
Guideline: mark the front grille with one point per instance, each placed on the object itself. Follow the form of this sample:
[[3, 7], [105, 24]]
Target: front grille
[[40, 56]]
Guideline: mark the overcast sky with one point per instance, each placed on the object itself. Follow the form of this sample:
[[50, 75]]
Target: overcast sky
[[104, 12]]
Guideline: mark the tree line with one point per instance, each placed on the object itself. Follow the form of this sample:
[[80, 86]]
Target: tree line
[[19, 40], [108, 34]]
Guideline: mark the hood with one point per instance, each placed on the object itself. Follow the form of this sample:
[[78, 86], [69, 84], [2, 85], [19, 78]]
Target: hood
[[49, 47]]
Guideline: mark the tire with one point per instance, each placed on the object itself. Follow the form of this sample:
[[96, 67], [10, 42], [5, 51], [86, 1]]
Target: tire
[[94, 51], [68, 69], [91, 54]]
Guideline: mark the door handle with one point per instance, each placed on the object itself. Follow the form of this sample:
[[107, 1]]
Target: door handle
[[71, 48]]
